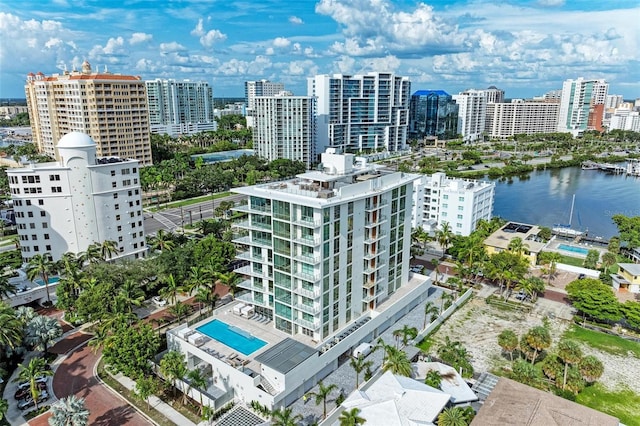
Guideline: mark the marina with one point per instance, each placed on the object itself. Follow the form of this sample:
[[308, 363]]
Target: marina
[[632, 167]]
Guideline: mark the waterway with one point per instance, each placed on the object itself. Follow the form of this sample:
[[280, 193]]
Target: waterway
[[544, 198]]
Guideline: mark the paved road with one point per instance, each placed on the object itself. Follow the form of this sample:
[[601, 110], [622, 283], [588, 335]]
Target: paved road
[[170, 219], [76, 376]]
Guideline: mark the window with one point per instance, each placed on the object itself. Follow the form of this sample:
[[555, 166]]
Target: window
[[30, 214], [46, 236], [119, 228], [41, 202], [444, 206], [459, 216], [56, 189], [43, 214], [54, 177], [445, 197], [461, 199], [115, 196], [47, 247], [36, 248], [28, 202], [34, 237], [113, 172], [114, 185], [460, 208], [458, 225], [120, 239], [116, 206], [45, 225], [117, 217]]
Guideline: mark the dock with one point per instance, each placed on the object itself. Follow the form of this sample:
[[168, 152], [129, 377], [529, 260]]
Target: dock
[[605, 167]]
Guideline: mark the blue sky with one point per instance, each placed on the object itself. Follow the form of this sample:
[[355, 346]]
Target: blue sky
[[525, 47]]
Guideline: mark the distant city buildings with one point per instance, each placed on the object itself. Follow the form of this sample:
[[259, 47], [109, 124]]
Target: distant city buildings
[[67, 205], [253, 89], [10, 111], [361, 112], [111, 108], [459, 202], [284, 127], [471, 114], [580, 102], [503, 120], [613, 101], [493, 94], [625, 119], [433, 113], [180, 106]]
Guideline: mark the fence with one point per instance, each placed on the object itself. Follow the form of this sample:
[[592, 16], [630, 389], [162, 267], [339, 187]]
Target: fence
[[444, 315]]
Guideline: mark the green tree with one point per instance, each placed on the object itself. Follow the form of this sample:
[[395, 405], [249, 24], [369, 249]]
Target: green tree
[[433, 379], [524, 372], [180, 310], [170, 290], [351, 418], [407, 333], [570, 354], [539, 339], [130, 348], [456, 355], [432, 310], [37, 367], [285, 417], [173, 367], [444, 235], [41, 331], [359, 365], [42, 266], [608, 259], [453, 416], [145, 387], [397, 362], [108, 249], [10, 327], [631, 311], [321, 396], [131, 295], [614, 245], [4, 407], [208, 297], [552, 367], [591, 261], [551, 259], [508, 341], [6, 289], [518, 247], [229, 280], [69, 411], [162, 240], [629, 229], [594, 299]]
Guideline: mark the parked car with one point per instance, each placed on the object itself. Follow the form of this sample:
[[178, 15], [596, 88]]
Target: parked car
[[522, 296], [41, 379], [28, 403], [26, 391], [159, 301], [581, 276]]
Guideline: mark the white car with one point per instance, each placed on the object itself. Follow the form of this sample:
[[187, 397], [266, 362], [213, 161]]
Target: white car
[[159, 301]]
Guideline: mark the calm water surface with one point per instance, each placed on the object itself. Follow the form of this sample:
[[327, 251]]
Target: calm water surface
[[544, 198]]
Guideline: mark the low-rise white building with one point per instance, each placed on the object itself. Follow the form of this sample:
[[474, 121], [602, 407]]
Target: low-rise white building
[[459, 202], [67, 205]]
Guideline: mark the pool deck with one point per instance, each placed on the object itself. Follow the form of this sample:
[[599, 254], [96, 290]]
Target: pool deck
[[554, 246]]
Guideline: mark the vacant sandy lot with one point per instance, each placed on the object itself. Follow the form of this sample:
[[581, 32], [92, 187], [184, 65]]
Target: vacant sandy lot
[[477, 325]]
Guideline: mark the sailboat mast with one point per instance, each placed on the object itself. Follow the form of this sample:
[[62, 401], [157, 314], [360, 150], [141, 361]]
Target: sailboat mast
[[573, 200]]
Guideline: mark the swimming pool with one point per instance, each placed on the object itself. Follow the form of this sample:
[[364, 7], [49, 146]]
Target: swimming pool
[[232, 336], [573, 249], [52, 280], [217, 157]]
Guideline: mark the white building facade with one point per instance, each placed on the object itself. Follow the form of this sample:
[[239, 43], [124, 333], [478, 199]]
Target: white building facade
[[66, 206], [253, 89], [472, 110], [180, 106], [577, 101], [625, 119], [459, 202], [284, 127], [361, 112], [521, 117]]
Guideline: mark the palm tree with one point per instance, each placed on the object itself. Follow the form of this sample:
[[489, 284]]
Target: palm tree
[[444, 236], [446, 299], [591, 368], [145, 387], [508, 341], [198, 381], [171, 289], [37, 367], [230, 280], [518, 247], [173, 367], [539, 339], [608, 259], [41, 265], [131, 294], [108, 249], [397, 362], [207, 296], [197, 278], [550, 258], [69, 411], [436, 264], [322, 395], [162, 241], [407, 333], [359, 365], [430, 309], [452, 416], [285, 417], [570, 354], [433, 379], [179, 310], [41, 331], [351, 418], [6, 289]]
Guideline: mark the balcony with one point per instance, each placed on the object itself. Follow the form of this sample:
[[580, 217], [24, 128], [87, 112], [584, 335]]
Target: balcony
[[247, 240], [246, 224], [372, 255], [310, 309], [312, 260], [372, 207], [308, 241], [315, 276], [247, 270], [369, 297], [247, 284], [371, 269], [380, 220], [246, 208], [312, 325], [311, 294], [309, 222], [373, 238], [248, 298]]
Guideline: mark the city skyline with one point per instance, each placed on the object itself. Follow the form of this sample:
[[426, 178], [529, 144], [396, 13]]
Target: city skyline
[[523, 47]]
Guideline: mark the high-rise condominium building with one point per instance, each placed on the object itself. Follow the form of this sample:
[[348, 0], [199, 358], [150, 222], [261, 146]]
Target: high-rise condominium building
[[326, 247], [111, 108], [180, 106], [493, 94], [253, 89], [361, 112], [67, 205], [459, 202], [471, 114], [613, 101], [433, 113], [579, 99], [521, 117], [284, 127]]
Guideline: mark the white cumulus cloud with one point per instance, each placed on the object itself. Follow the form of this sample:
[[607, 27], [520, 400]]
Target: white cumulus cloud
[[281, 42], [212, 37], [137, 38], [295, 20]]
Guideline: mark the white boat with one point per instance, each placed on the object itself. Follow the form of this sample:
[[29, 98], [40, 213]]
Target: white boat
[[566, 230]]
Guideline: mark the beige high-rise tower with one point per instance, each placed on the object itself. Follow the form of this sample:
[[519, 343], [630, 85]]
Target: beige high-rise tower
[[111, 108]]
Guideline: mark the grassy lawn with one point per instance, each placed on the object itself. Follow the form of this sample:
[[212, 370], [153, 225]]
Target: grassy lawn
[[621, 403], [604, 342], [574, 261], [190, 201]]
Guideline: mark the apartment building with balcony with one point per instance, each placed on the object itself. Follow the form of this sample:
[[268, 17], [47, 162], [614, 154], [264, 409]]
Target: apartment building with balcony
[[503, 120], [67, 205], [110, 108], [326, 269]]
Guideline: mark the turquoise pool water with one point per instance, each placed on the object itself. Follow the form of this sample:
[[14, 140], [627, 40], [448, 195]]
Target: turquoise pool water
[[573, 249], [232, 336], [52, 280], [216, 157]]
